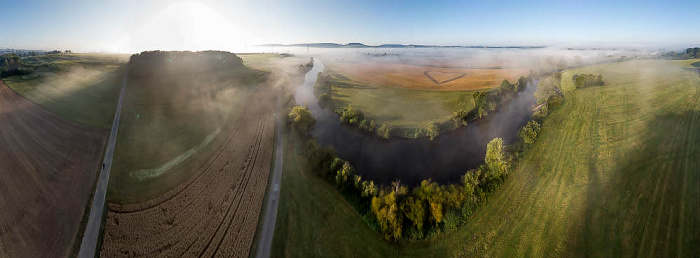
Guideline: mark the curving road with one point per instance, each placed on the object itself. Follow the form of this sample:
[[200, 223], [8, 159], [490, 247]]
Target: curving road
[[92, 230], [270, 219]]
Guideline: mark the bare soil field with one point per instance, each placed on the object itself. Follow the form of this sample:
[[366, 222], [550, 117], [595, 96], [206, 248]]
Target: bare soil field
[[425, 77], [216, 211], [48, 168]]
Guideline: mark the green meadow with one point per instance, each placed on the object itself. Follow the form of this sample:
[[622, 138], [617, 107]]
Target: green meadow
[[405, 109], [614, 172], [83, 88]]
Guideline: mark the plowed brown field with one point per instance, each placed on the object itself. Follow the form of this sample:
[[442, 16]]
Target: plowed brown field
[[216, 211], [48, 167]]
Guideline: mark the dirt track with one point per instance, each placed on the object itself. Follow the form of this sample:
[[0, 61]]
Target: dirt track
[[216, 211], [48, 167]]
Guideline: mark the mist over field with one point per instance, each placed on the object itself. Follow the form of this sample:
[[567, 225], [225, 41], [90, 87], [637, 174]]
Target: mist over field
[[522, 57], [349, 128]]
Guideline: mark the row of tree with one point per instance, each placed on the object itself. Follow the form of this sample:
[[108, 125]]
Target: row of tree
[[401, 213], [587, 80], [690, 53], [12, 64], [484, 102], [323, 89], [488, 101], [353, 116]]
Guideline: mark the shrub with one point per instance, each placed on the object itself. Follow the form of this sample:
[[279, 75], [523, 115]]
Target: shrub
[[432, 130], [541, 113], [384, 131], [350, 115], [529, 132], [301, 119], [555, 101], [587, 80], [368, 126], [459, 118]]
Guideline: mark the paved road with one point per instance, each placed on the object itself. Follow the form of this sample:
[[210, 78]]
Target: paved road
[[268, 229], [92, 230]]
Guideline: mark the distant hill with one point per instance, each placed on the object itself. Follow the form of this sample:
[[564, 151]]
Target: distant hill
[[361, 45]]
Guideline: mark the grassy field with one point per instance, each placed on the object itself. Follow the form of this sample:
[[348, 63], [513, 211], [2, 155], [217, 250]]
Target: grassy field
[[314, 220], [80, 87], [421, 77], [263, 62], [170, 125], [404, 109], [614, 172]]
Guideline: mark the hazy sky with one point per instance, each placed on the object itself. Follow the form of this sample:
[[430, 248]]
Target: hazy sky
[[131, 26]]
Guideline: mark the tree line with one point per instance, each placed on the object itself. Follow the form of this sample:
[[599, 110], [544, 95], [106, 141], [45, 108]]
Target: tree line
[[587, 80], [690, 53], [12, 64], [147, 63], [400, 212], [484, 102], [489, 101]]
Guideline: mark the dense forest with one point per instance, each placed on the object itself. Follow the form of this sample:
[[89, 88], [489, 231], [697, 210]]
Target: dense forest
[[183, 62]]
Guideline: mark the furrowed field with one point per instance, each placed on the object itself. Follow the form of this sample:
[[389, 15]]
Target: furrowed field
[[615, 171], [193, 156], [53, 125]]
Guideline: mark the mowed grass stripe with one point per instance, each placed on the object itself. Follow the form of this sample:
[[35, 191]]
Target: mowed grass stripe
[[608, 165]]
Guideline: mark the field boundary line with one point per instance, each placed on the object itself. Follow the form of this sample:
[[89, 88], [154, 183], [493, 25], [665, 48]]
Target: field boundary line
[[270, 215], [88, 246]]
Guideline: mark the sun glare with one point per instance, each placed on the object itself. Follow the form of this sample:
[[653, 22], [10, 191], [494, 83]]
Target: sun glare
[[188, 26]]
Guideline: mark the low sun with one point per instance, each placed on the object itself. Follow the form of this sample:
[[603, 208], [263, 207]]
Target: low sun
[[188, 26]]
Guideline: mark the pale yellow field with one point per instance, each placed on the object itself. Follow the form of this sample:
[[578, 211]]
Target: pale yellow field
[[419, 77]]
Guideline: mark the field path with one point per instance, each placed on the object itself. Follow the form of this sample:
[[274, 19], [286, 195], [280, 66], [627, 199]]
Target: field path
[[213, 213], [92, 229], [268, 228]]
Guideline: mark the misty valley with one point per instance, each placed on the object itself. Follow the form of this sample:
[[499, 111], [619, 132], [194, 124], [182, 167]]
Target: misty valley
[[367, 128]]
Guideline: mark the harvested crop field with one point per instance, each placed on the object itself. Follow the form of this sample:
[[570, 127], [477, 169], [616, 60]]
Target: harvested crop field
[[214, 212], [425, 77], [48, 168]]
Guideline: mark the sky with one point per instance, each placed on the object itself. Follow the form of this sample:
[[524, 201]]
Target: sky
[[133, 26]]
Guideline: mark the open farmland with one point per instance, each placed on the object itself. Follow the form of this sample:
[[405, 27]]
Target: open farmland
[[613, 172], [173, 122], [80, 87], [405, 109], [209, 202], [48, 167], [424, 77]]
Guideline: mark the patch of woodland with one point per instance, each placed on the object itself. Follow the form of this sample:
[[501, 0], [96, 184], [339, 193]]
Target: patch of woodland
[[183, 63], [12, 64]]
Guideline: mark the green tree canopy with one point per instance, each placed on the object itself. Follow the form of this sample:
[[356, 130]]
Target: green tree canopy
[[384, 131], [301, 119], [495, 157], [480, 103], [529, 132], [432, 130]]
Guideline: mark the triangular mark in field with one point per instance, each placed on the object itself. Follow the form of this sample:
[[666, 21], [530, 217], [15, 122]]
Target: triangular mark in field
[[439, 77]]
